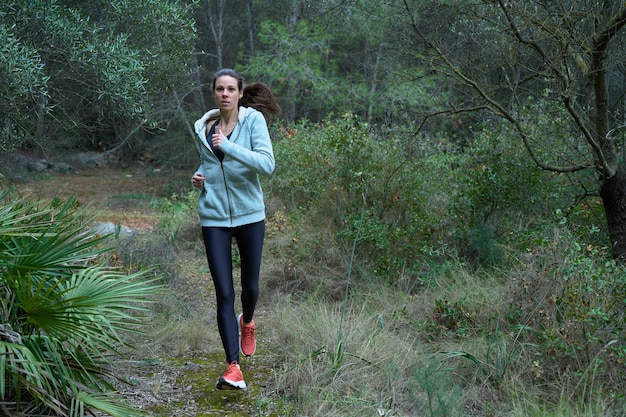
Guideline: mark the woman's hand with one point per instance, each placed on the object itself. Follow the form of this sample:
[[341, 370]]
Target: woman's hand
[[218, 138], [197, 181]]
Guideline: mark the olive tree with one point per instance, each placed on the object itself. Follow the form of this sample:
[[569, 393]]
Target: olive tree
[[91, 73], [23, 88]]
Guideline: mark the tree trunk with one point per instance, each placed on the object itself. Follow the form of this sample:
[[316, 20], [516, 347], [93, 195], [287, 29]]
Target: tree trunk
[[251, 28], [216, 24], [613, 186], [613, 193]]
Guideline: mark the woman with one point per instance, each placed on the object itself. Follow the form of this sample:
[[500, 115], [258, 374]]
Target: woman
[[235, 148]]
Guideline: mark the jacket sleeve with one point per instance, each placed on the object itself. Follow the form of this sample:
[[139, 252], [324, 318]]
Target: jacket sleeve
[[260, 157]]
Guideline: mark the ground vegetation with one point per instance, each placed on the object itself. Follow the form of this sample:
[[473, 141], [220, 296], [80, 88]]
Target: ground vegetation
[[445, 229]]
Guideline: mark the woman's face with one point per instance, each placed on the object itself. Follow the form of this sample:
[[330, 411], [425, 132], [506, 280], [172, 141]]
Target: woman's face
[[227, 93]]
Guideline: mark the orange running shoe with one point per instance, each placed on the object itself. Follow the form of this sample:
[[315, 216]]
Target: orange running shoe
[[232, 378], [247, 342]]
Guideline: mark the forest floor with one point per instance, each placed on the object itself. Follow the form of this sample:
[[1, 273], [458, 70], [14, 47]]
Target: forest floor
[[161, 376]]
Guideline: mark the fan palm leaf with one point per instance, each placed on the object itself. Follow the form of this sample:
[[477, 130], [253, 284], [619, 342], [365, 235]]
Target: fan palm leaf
[[45, 239], [63, 311]]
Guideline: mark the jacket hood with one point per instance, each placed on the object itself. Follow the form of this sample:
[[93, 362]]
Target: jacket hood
[[200, 124], [214, 113]]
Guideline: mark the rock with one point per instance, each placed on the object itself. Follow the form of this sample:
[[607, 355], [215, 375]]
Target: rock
[[61, 167], [110, 228]]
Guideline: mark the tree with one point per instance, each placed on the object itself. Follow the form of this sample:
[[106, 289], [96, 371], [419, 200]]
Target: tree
[[91, 73], [330, 57], [162, 34], [544, 68], [295, 64], [23, 88]]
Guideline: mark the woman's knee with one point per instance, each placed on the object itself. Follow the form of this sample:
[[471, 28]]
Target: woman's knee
[[224, 294], [250, 291]]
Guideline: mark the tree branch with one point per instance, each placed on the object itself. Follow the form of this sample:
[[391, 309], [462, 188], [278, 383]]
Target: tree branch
[[492, 104]]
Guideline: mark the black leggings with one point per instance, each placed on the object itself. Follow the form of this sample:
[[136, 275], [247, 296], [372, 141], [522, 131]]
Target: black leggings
[[218, 245]]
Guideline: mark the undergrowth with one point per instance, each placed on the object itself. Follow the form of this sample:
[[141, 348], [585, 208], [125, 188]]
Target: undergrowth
[[381, 296]]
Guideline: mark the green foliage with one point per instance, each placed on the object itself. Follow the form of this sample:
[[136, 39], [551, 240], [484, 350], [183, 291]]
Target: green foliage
[[586, 326], [500, 180], [572, 295], [63, 313], [341, 173], [162, 34], [499, 190], [443, 397], [482, 240], [179, 213], [452, 315], [94, 72], [297, 64], [22, 87]]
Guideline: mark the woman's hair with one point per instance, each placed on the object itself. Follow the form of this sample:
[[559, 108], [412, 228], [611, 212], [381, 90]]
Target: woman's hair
[[230, 73], [256, 95], [259, 96]]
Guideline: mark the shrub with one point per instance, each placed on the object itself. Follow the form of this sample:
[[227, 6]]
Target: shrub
[[341, 176], [63, 313], [575, 302], [499, 189]]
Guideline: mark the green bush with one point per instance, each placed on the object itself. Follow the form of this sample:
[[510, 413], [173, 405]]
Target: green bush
[[341, 175], [574, 301], [501, 192], [63, 311], [586, 326]]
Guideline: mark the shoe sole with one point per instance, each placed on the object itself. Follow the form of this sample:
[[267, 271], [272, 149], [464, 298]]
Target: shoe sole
[[224, 384], [239, 320]]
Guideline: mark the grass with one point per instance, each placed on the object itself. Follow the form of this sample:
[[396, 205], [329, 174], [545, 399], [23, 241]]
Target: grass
[[396, 355], [533, 403], [374, 366], [453, 341]]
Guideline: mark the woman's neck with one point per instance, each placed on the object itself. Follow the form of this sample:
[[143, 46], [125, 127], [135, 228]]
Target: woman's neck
[[228, 117]]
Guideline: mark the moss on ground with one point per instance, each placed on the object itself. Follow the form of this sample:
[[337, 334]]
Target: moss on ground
[[198, 377]]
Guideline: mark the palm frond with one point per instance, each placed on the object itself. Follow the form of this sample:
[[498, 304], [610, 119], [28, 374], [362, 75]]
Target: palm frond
[[103, 403], [50, 239], [69, 311], [25, 372]]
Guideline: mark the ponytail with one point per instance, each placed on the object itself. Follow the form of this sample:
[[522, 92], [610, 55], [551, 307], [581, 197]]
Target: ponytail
[[261, 98]]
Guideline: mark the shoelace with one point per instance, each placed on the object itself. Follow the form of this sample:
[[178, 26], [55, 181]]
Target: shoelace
[[247, 332], [232, 371]]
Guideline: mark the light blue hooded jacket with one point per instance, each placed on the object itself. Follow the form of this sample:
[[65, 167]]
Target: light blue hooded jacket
[[232, 194]]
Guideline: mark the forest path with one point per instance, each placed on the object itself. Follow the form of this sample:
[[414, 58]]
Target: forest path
[[164, 376]]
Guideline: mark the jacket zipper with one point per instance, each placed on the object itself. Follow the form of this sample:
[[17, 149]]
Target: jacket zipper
[[230, 209]]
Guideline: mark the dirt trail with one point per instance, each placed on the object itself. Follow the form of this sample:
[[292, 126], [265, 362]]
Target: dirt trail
[[162, 381]]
